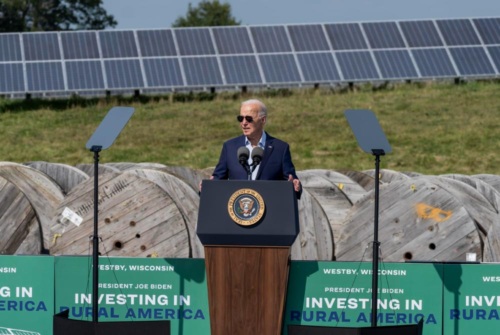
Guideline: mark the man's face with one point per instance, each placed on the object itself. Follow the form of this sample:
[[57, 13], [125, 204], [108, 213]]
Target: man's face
[[254, 129]]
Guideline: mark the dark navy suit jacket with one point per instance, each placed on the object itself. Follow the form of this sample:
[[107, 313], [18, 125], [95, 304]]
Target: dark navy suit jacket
[[276, 163]]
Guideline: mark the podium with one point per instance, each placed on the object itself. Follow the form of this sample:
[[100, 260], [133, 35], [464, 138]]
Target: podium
[[247, 229]]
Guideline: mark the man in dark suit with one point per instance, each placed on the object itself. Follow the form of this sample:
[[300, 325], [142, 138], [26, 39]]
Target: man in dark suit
[[276, 161]]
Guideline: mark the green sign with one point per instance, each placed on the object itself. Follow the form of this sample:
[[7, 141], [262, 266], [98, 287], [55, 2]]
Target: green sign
[[338, 294], [471, 299], [26, 294], [136, 289]]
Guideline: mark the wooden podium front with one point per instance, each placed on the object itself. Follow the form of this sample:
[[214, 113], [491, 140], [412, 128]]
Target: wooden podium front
[[247, 266]]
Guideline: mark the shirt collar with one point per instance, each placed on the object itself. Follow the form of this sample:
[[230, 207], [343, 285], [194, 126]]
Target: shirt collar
[[262, 141]]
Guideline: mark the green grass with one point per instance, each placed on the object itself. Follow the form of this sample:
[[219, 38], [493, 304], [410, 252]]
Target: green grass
[[432, 128]]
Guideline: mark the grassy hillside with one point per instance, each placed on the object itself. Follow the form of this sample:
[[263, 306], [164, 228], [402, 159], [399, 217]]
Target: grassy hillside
[[432, 128]]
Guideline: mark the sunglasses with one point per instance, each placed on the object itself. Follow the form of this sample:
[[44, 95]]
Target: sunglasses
[[246, 117]]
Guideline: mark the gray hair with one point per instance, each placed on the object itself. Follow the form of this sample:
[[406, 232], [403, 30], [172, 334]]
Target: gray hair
[[262, 107]]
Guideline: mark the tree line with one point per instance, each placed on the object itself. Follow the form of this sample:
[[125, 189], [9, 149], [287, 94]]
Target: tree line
[[64, 15]]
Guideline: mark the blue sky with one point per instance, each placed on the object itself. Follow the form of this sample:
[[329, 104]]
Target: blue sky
[[134, 14]]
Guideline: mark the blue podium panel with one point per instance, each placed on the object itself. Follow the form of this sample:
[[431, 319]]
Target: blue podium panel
[[278, 225]]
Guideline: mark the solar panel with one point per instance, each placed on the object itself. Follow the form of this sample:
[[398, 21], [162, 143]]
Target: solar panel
[[163, 72], [495, 55], [12, 77], [156, 43], [395, 64], [383, 35], [45, 77], [84, 75], [433, 63], [232, 40], [118, 44], [41, 46], [270, 39], [123, 74], [280, 68], [308, 38], [202, 71], [79, 45], [318, 67], [357, 65], [489, 29], [346, 36], [472, 61], [242, 70], [194, 41], [228, 57], [458, 32], [420, 34], [10, 48]]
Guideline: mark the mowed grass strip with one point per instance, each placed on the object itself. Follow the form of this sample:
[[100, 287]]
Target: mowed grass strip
[[433, 128]]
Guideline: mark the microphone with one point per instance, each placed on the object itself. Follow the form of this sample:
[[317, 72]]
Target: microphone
[[257, 154], [243, 154]]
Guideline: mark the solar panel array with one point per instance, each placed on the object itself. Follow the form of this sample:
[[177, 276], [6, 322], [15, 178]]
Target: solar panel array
[[230, 57]]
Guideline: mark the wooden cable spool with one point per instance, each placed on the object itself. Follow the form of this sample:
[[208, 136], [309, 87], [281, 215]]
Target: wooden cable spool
[[419, 219], [334, 192], [186, 199], [65, 176], [315, 240], [136, 218], [18, 223], [42, 192]]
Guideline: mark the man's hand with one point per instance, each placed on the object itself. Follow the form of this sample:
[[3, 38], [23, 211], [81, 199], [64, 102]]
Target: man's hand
[[296, 183]]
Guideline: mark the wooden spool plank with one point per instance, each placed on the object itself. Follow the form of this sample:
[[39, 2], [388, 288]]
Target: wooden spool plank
[[123, 166], [65, 176], [136, 218], [418, 220], [491, 179], [103, 168], [18, 222], [42, 192], [32, 243], [364, 180], [186, 199], [317, 178], [315, 240], [475, 203], [486, 190], [387, 176]]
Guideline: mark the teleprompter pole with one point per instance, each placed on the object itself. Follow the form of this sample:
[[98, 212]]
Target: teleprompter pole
[[376, 244], [95, 238]]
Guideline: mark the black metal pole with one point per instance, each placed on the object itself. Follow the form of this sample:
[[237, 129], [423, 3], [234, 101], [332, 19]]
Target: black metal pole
[[376, 243], [95, 239]]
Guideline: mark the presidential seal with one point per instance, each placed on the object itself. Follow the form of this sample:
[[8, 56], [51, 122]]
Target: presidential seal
[[246, 207]]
